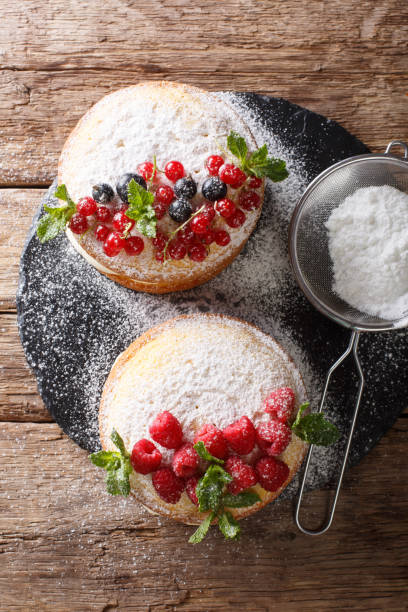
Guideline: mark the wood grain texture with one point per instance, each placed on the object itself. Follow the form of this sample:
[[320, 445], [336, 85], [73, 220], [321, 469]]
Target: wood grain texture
[[64, 545], [348, 61]]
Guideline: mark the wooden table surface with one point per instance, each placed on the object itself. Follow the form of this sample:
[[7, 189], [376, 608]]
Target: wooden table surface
[[64, 544]]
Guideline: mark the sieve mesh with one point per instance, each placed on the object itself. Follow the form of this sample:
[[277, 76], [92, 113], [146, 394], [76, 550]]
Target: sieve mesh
[[308, 237]]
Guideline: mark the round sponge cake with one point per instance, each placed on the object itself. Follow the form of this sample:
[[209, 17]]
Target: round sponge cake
[[169, 121], [203, 369]]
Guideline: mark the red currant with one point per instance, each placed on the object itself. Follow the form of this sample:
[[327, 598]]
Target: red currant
[[255, 182], [237, 219], [146, 170], [103, 214], [159, 241], [225, 207], [209, 237], [134, 245], [241, 178], [159, 256], [199, 224], [174, 170], [249, 200], [78, 223], [87, 206], [113, 244], [101, 232], [160, 210], [164, 194], [120, 221], [222, 238], [229, 174], [209, 211], [213, 164], [186, 236], [197, 252], [177, 250]]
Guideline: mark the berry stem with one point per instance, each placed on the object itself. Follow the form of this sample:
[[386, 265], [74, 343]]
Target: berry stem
[[171, 236], [126, 231]]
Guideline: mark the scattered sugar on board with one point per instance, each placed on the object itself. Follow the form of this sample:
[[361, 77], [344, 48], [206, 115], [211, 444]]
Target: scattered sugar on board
[[368, 245]]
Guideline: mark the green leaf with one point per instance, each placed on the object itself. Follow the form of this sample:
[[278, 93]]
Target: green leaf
[[242, 500], [237, 145], [118, 442], [204, 454], [61, 193], [275, 169], [259, 156], [56, 217], [210, 488], [112, 485], [202, 530], [122, 477], [141, 209], [105, 459], [229, 526], [314, 428]]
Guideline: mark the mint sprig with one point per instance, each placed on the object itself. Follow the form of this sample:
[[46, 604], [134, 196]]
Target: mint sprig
[[141, 209], [314, 428], [56, 217], [117, 466], [257, 163], [213, 497]]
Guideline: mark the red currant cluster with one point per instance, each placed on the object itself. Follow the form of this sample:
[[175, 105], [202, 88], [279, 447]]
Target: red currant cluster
[[237, 440]]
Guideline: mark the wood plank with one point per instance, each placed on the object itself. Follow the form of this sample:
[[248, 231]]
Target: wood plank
[[66, 545], [350, 65]]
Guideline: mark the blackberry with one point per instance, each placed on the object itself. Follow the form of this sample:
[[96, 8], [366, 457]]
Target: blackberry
[[214, 189], [185, 187], [123, 182], [102, 193], [180, 210]]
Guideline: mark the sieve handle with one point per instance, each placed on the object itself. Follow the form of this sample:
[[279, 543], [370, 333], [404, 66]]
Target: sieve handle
[[352, 348], [397, 143]]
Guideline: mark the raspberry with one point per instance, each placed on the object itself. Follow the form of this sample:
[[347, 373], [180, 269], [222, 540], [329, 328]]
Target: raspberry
[[280, 403], [240, 436], [176, 250], [273, 437], [159, 241], [145, 457], [272, 473], [213, 440], [113, 244], [230, 174], [174, 170], [103, 214], [146, 170], [243, 474], [209, 237], [213, 164], [199, 224], [168, 486], [134, 245], [222, 238], [185, 461], [255, 182], [101, 232], [237, 219], [249, 200], [87, 206], [160, 210], [78, 223], [120, 221], [164, 194], [197, 252], [191, 485], [241, 178], [166, 430], [225, 207], [186, 236]]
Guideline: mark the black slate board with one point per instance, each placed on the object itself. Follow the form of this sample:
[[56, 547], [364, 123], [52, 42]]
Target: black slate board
[[74, 322]]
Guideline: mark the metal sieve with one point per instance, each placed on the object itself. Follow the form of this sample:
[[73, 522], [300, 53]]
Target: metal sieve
[[312, 266]]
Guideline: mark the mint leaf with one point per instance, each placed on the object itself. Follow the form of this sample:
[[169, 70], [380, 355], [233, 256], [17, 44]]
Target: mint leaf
[[210, 488], [259, 156], [242, 500], [229, 526], [118, 442], [204, 454], [61, 193], [117, 465], [141, 209], [105, 459], [237, 145], [260, 165], [202, 530], [112, 485], [122, 476], [56, 217], [314, 428]]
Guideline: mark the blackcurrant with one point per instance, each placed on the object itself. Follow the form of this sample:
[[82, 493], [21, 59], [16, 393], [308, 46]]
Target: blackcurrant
[[180, 210], [214, 189], [185, 187], [102, 193], [123, 182]]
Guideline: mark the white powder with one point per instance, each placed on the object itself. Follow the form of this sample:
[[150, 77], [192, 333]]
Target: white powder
[[368, 244]]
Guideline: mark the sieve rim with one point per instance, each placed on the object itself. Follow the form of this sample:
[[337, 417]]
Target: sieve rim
[[322, 307]]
